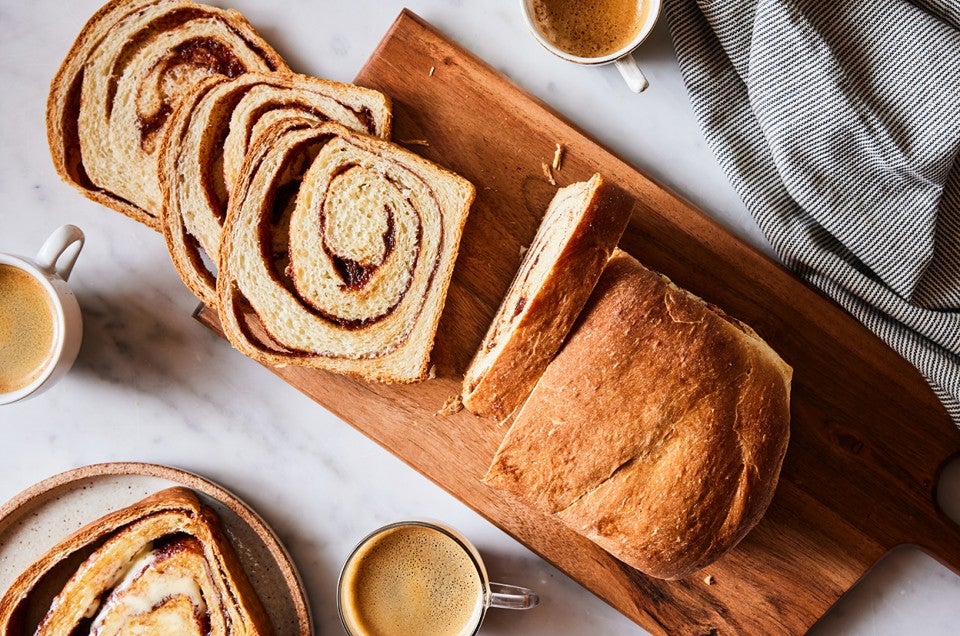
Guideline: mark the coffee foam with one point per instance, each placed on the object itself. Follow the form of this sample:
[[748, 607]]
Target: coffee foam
[[411, 580], [27, 328], [590, 28]]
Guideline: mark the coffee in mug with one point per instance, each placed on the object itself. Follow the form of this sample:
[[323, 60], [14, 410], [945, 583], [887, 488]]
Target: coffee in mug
[[419, 578], [411, 580], [40, 322], [594, 31], [590, 28], [27, 328]]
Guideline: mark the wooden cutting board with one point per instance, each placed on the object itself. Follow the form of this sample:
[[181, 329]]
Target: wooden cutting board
[[868, 435]]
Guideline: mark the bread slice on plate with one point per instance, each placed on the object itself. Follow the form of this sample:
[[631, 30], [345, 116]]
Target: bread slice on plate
[[659, 429], [160, 566], [126, 73], [208, 137], [371, 236], [580, 230]]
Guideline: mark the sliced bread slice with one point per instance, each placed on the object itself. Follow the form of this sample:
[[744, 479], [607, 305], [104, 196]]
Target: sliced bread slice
[[126, 73], [373, 236], [580, 230], [160, 566], [207, 140]]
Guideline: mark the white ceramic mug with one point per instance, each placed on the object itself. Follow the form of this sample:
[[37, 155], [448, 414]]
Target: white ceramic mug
[[63, 245], [623, 58], [492, 594]]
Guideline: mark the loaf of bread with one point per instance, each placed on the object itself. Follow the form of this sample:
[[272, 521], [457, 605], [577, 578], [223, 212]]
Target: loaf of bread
[[580, 230], [208, 137], [659, 429], [372, 232], [160, 566], [118, 85]]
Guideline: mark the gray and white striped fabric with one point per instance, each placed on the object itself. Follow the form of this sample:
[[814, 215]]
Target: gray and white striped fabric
[[839, 125]]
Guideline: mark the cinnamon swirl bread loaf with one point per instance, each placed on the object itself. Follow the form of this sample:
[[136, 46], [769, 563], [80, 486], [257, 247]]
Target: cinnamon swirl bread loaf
[[372, 233], [659, 429], [207, 139], [128, 70], [160, 566], [578, 233]]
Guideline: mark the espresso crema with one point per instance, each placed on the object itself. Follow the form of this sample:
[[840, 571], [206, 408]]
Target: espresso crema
[[590, 28], [411, 579], [27, 328]]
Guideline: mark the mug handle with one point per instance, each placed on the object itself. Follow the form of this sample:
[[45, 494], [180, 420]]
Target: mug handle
[[512, 597], [631, 73], [55, 246]]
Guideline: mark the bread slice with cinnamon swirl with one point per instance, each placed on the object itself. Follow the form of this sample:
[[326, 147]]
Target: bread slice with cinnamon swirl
[[372, 234], [160, 566], [126, 73], [207, 140]]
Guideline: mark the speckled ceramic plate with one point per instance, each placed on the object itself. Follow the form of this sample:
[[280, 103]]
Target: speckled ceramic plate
[[42, 515]]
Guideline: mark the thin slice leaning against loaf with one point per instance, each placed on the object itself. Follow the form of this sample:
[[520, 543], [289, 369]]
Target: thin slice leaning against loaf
[[126, 73], [659, 429], [373, 236], [578, 233], [159, 566], [207, 139]]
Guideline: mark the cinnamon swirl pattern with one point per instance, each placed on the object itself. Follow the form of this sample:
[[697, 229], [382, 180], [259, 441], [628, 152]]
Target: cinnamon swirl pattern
[[207, 139], [372, 234], [112, 98], [161, 565]]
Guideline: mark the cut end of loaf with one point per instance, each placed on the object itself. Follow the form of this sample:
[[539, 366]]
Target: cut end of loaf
[[580, 229]]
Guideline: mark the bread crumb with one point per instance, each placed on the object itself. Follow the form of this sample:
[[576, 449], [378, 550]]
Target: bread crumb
[[454, 404], [414, 142], [558, 158], [708, 579], [548, 173], [432, 373], [432, 70], [523, 250]]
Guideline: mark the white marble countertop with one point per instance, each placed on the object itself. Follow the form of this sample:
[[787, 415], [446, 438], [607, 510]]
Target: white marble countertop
[[153, 385]]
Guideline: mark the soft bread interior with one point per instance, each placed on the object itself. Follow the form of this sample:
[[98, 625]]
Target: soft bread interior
[[135, 77], [373, 238], [208, 139], [169, 582]]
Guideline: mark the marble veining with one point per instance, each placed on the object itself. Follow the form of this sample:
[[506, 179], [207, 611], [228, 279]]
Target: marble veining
[[153, 385]]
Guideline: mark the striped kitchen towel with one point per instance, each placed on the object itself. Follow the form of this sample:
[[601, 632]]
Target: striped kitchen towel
[[838, 123]]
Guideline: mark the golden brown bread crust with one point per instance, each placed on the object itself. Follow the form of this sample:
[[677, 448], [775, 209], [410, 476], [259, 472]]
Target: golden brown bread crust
[[173, 512], [659, 429], [64, 99], [548, 307]]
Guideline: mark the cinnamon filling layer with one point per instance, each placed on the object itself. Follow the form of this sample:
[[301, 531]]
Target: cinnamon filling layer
[[183, 66], [356, 237]]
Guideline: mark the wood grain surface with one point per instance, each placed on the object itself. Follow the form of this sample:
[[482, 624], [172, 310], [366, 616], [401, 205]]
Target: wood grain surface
[[868, 435]]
